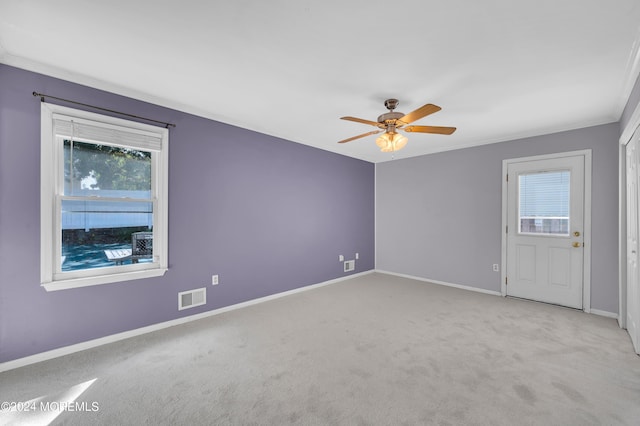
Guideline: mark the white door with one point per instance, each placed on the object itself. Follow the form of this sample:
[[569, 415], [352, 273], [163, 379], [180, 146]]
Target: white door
[[545, 230], [633, 293]]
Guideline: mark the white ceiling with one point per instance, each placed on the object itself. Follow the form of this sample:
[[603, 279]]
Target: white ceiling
[[500, 69]]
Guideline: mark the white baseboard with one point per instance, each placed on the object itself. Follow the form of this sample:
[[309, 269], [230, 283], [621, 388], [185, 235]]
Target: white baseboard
[[480, 290], [603, 313], [463, 287], [55, 353]]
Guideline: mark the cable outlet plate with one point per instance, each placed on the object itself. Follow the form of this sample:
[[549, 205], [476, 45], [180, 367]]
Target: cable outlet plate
[[214, 280]]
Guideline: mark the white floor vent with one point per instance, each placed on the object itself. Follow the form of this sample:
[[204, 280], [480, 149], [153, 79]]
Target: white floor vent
[[192, 298], [350, 265]]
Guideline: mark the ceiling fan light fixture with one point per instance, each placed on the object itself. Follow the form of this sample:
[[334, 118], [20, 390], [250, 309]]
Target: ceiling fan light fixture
[[391, 142], [389, 122]]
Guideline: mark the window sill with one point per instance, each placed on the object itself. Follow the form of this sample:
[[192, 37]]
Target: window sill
[[103, 279]]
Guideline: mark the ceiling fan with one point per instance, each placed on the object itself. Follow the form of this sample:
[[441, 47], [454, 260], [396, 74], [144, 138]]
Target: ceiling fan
[[391, 122]]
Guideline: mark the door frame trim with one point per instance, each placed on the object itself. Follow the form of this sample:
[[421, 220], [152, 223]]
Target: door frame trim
[[586, 273], [633, 125]]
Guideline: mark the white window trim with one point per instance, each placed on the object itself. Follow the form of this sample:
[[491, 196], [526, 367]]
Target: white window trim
[[50, 164]]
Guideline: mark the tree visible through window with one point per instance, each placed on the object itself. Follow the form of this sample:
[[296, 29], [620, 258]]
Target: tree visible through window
[[115, 167]]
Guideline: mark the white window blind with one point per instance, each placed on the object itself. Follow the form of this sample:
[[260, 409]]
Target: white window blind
[[545, 194], [105, 133]]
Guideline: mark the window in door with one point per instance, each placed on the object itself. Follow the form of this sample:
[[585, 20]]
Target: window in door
[[544, 203]]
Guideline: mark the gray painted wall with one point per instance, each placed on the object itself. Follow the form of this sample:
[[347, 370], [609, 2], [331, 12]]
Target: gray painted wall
[[267, 215], [632, 103], [439, 216]]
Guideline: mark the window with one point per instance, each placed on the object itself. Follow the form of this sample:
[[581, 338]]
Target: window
[[544, 203], [103, 199]]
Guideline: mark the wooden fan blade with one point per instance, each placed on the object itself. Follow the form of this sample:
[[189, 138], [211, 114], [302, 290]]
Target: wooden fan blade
[[430, 129], [373, 132], [423, 111], [362, 120]]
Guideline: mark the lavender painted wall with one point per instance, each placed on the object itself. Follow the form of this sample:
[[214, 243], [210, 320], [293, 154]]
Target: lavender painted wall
[[439, 216], [265, 214]]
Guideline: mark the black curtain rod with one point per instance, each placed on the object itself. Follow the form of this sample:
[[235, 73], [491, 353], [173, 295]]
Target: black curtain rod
[[42, 96]]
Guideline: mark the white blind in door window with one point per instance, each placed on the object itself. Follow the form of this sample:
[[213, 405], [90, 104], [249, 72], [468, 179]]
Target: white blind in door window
[[544, 202]]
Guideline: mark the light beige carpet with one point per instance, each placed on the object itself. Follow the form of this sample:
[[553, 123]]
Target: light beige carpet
[[374, 350]]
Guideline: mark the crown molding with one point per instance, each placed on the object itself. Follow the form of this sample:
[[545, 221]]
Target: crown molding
[[631, 75]]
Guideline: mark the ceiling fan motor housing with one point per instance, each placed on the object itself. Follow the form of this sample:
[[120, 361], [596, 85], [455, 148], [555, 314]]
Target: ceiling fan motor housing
[[390, 118]]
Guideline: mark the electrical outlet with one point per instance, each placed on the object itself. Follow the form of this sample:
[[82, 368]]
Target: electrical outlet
[[357, 256], [341, 258], [214, 280], [496, 267]]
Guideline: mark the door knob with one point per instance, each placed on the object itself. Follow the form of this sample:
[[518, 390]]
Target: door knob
[[577, 234], [576, 244]]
